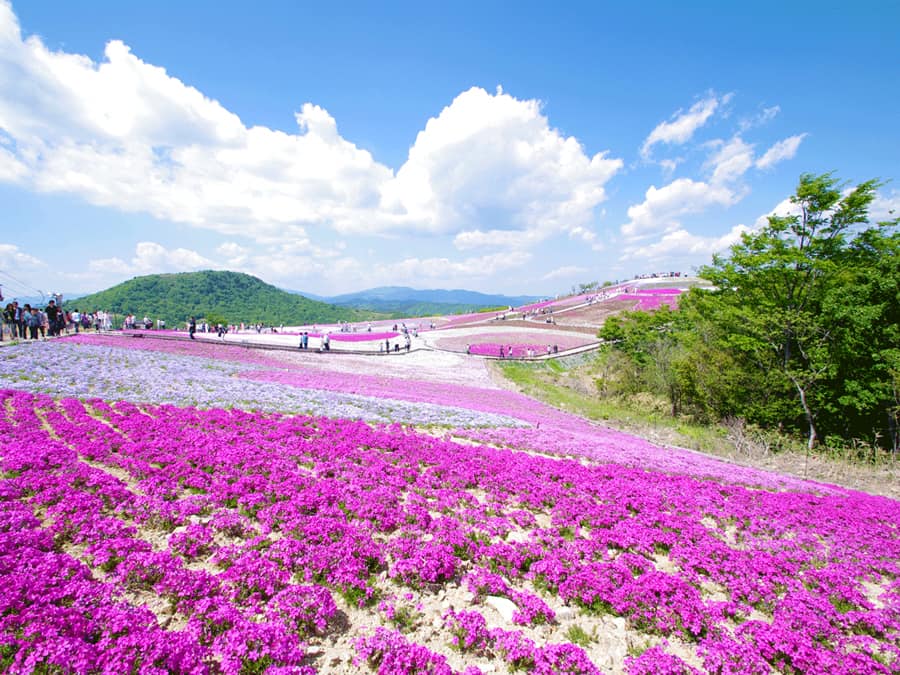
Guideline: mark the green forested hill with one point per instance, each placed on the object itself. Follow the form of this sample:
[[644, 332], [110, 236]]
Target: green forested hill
[[217, 296]]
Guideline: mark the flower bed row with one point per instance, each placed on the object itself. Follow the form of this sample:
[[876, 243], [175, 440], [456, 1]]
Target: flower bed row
[[654, 298], [338, 336], [508, 351], [256, 529], [519, 341], [110, 374], [167, 372]]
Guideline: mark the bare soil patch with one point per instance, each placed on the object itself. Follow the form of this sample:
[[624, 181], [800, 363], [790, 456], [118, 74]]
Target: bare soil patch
[[593, 316]]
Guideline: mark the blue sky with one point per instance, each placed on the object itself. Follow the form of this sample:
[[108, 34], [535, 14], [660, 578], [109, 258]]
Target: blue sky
[[502, 147]]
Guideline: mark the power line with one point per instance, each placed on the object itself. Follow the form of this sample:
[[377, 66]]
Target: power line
[[21, 284]]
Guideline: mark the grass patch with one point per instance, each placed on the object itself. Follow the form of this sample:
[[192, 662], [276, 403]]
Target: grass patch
[[564, 388], [579, 636], [635, 649]]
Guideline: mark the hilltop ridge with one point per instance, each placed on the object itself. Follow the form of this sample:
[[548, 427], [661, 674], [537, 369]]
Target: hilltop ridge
[[233, 297]]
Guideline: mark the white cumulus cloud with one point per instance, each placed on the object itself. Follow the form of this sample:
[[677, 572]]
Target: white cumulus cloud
[[885, 207], [416, 270], [684, 247], [682, 125], [124, 133], [491, 160], [233, 252], [565, 272], [11, 169], [663, 207], [764, 116], [475, 239], [783, 208], [731, 161], [151, 257], [784, 149], [11, 257]]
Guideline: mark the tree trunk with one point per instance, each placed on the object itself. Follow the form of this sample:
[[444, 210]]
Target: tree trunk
[[811, 442], [894, 431]]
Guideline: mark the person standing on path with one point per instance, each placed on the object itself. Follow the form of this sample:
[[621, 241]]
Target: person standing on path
[[52, 311], [192, 328], [33, 318]]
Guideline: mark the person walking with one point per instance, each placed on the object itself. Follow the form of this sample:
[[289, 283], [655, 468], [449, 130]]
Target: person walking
[[51, 311], [9, 317], [192, 328], [34, 322], [22, 318]]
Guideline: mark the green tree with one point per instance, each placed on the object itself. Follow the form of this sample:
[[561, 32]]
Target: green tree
[[230, 296], [775, 284], [865, 310], [651, 340], [800, 331]]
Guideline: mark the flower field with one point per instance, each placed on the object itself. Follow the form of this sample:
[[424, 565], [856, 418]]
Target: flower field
[[488, 342], [197, 508], [82, 367], [653, 298]]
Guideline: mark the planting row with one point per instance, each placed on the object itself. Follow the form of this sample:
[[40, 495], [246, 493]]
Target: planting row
[[75, 367], [518, 341], [270, 539], [194, 373]]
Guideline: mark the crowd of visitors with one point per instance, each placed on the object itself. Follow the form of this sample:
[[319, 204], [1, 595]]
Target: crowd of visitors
[[27, 322]]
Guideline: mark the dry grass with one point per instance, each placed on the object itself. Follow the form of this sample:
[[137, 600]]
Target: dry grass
[[732, 441]]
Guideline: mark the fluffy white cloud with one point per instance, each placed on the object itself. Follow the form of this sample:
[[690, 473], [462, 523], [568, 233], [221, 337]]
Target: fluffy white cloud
[[233, 252], [669, 165], [411, 270], [783, 208], [731, 161], [516, 239], [681, 127], [764, 116], [491, 159], [663, 207], [565, 272], [474, 239], [125, 134], [587, 236], [683, 247], [785, 149], [292, 269], [13, 258], [150, 257], [11, 169], [885, 207]]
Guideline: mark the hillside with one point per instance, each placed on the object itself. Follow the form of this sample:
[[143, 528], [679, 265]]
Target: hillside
[[229, 296]]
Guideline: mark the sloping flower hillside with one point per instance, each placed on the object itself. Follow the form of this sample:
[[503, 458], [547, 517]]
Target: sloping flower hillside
[[141, 536]]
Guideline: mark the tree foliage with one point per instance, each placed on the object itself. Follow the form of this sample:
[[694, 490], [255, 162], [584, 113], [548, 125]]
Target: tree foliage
[[231, 296], [800, 331]]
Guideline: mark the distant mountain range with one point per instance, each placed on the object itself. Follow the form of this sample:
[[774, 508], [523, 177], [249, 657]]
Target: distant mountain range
[[405, 301], [234, 297]]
